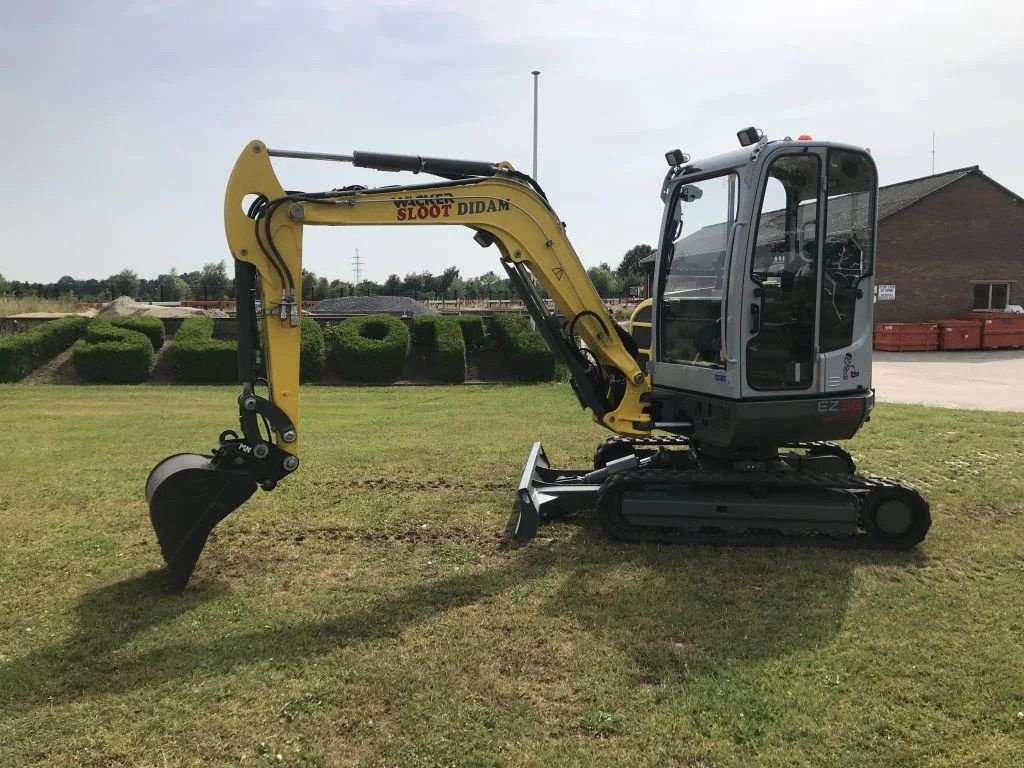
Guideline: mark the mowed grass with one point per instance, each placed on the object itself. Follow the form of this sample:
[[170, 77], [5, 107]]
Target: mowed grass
[[369, 612]]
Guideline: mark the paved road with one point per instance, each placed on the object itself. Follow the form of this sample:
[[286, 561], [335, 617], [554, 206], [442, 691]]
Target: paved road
[[992, 381]]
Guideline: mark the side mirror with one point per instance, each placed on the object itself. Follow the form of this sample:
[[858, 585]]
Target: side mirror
[[689, 193]]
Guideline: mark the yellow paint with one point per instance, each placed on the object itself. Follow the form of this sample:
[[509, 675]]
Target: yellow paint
[[635, 322], [525, 227]]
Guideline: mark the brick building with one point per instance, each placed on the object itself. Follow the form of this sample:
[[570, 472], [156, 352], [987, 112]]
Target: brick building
[[947, 244]]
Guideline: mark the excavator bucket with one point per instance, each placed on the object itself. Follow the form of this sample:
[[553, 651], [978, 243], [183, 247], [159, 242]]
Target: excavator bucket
[[188, 494]]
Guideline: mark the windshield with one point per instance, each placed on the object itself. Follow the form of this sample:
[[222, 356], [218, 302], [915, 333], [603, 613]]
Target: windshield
[[705, 211], [694, 275]]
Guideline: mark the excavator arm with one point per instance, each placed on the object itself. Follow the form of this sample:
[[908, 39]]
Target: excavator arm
[[189, 494]]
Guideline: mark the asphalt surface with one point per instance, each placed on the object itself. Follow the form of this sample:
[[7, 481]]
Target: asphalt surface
[[990, 381]]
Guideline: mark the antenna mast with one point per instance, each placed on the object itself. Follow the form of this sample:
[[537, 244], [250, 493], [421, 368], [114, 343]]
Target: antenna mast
[[357, 266], [933, 153]]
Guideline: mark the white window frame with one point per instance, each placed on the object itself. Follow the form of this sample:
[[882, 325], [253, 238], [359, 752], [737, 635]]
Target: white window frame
[[990, 283]]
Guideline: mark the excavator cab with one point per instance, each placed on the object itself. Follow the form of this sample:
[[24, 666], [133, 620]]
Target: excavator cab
[[764, 291]]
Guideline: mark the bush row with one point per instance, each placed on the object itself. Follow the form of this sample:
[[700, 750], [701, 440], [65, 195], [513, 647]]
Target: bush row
[[114, 353], [447, 345], [313, 351], [198, 358], [150, 327], [369, 348], [472, 329], [525, 349], [25, 351]]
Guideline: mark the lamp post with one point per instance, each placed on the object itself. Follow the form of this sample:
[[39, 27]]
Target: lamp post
[[536, 75]]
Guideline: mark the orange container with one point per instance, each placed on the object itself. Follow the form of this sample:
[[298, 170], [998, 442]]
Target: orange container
[[959, 334], [906, 337], [1002, 320], [1001, 338]]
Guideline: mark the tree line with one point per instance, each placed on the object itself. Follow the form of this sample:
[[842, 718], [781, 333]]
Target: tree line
[[213, 282]]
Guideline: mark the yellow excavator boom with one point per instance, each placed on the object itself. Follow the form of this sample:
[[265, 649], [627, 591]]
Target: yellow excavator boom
[[525, 228], [189, 494]]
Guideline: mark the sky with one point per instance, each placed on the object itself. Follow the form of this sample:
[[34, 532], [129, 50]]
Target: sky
[[122, 120]]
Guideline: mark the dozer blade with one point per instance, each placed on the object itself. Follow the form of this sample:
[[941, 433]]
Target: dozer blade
[[544, 493], [188, 495]]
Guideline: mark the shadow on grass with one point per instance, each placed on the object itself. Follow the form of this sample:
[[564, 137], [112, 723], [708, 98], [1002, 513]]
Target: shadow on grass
[[673, 610], [680, 612]]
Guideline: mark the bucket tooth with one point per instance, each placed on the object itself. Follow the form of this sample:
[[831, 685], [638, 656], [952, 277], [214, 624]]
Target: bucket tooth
[[188, 494]]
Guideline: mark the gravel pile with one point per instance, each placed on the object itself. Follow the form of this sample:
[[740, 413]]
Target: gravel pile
[[371, 305]]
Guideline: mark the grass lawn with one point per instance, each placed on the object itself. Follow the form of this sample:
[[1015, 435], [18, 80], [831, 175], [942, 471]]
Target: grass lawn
[[369, 611]]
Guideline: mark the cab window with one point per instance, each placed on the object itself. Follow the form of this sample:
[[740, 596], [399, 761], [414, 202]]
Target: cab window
[[694, 274], [848, 253]]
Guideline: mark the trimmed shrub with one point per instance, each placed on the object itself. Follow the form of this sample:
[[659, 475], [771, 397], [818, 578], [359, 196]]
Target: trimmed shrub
[[525, 349], [198, 358], [22, 352], [472, 329], [369, 348], [448, 348], [423, 329], [449, 351], [312, 352], [150, 327], [505, 324], [114, 354]]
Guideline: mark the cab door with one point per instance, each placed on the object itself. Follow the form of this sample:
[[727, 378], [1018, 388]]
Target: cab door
[[782, 282]]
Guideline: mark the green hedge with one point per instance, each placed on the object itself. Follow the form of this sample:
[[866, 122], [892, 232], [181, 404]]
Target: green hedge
[[423, 329], [22, 352], [472, 329], [198, 358], [150, 327], [448, 348], [525, 349], [313, 352], [114, 354], [369, 348]]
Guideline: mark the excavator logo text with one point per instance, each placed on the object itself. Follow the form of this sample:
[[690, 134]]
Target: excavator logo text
[[442, 205]]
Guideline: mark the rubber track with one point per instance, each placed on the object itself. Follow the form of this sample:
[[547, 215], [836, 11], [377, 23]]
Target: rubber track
[[679, 441], [609, 507]]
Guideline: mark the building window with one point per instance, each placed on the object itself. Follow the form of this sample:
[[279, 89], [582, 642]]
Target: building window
[[994, 296]]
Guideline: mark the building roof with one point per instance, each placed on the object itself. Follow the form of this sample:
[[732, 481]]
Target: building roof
[[893, 198]]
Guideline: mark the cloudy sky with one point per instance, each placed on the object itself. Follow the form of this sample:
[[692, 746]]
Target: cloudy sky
[[122, 119]]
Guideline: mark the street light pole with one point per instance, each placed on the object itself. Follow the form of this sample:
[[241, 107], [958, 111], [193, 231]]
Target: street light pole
[[536, 74]]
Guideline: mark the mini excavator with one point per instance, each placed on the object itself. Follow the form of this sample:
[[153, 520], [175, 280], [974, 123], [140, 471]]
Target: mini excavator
[[724, 397]]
